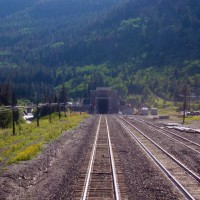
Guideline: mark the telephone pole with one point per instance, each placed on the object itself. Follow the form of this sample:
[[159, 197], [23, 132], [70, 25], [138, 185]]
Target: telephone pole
[[37, 113], [185, 98], [13, 119], [184, 104], [14, 102]]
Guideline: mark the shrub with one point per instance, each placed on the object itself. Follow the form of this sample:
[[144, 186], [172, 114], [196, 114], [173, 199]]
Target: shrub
[[5, 119]]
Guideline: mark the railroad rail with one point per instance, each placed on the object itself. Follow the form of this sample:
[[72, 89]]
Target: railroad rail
[[171, 135], [98, 179], [187, 182]]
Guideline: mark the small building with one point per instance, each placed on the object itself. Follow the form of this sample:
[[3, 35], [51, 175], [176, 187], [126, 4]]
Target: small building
[[144, 111], [104, 100]]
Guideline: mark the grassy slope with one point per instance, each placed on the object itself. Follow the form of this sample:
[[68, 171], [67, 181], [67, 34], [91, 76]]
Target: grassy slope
[[30, 139]]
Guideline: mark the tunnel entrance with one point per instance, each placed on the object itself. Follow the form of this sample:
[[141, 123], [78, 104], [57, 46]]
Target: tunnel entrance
[[104, 100], [102, 106]]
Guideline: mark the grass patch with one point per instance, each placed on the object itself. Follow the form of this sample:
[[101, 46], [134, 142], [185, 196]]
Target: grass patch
[[26, 154], [193, 118], [30, 139], [167, 111]]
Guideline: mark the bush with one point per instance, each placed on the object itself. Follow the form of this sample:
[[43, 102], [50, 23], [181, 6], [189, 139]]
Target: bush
[[5, 119]]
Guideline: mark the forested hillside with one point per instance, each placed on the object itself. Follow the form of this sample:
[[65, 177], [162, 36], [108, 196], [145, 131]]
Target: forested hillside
[[147, 32], [142, 48]]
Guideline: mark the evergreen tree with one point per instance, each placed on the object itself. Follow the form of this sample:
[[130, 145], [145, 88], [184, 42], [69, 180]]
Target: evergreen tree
[[63, 95]]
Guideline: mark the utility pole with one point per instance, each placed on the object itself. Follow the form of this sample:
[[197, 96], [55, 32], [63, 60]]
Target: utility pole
[[184, 104], [14, 102], [59, 114], [13, 116], [65, 110], [37, 113], [50, 113], [185, 100]]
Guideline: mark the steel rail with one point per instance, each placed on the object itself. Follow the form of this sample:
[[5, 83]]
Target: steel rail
[[162, 132], [169, 132], [89, 171], [92, 158], [172, 178], [168, 154], [117, 193]]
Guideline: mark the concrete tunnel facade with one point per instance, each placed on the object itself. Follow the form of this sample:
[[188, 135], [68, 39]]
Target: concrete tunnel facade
[[104, 100]]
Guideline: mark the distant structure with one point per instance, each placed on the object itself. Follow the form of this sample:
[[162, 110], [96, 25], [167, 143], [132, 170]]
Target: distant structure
[[104, 100], [144, 111], [126, 109], [154, 111]]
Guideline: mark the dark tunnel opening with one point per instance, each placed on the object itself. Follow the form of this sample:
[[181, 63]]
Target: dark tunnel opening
[[102, 105]]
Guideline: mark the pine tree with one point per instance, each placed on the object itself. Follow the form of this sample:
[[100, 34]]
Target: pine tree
[[63, 95]]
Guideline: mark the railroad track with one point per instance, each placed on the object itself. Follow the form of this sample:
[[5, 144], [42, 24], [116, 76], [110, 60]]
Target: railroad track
[[171, 135], [99, 178], [187, 182], [172, 142]]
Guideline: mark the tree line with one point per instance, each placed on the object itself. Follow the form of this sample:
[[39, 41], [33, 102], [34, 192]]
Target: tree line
[[10, 113]]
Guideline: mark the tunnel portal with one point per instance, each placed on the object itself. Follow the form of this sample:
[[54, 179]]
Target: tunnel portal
[[104, 100], [102, 106]]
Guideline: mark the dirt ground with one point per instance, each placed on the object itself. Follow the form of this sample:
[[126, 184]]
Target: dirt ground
[[52, 174]]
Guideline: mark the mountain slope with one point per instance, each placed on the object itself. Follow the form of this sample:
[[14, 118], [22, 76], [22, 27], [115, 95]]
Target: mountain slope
[[34, 29], [78, 32], [148, 32], [138, 47], [8, 7]]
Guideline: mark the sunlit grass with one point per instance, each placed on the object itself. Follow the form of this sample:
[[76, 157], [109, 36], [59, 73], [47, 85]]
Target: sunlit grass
[[27, 153], [193, 118], [30, 139], [167, 111]]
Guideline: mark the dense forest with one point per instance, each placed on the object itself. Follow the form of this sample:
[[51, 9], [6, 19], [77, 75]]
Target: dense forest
[[145, 49]]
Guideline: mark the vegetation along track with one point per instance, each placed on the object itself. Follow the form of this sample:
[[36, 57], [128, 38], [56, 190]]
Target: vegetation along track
[[185, 180], [100, 178]]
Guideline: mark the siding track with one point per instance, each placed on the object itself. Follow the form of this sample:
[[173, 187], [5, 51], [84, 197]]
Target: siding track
[[171, 135], [185, 180]]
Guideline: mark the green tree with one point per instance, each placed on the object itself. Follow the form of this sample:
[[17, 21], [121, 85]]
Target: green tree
[[63, 95]]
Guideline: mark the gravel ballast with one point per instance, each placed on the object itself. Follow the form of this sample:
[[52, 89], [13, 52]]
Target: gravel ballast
[[189, 157], [143, 178]]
